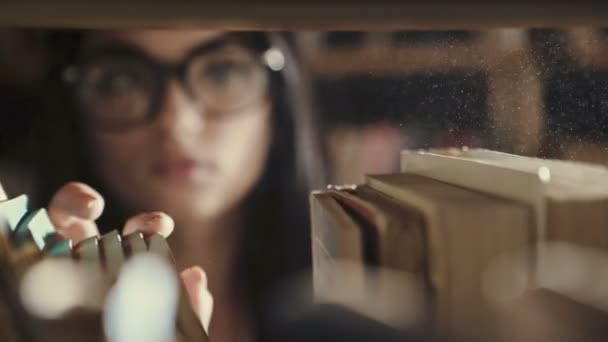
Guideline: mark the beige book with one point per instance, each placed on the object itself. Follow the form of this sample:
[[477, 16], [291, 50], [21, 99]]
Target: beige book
[[367, 259], [398, 229], [88, 250], [188, 324], [573, 171], [570, 199], [113, 253], [135, 243], [465, 230], [336, 238]]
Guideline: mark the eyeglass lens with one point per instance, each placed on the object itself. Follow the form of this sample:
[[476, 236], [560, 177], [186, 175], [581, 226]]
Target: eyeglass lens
[[124, 90]]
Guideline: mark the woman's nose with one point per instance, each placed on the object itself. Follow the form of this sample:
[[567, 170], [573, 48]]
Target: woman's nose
[[179, 115]]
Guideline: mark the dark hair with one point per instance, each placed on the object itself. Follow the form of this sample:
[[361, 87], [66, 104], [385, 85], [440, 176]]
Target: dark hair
[[278, 245]]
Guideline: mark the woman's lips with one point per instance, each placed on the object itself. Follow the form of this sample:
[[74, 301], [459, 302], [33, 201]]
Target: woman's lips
[[183, 169]]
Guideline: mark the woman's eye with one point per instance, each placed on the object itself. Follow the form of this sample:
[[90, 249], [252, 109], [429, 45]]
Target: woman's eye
[[119, 83], [118, 79], [225, 72]]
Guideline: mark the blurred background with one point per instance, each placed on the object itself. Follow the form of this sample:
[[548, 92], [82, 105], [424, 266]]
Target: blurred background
[[531, 92], [537, 92]]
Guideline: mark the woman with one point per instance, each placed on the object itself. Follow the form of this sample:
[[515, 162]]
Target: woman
[[204, 126]]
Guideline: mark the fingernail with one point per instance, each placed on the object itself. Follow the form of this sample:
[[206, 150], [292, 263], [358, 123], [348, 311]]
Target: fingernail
[[80, 204], [197, 274], [152, 219], [89, 200], [87, 203]]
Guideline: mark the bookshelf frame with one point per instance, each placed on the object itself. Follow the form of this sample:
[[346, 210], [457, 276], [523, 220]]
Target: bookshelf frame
[[298, 15]]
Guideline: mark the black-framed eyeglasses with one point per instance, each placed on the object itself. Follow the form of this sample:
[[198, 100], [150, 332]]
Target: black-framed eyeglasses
[[119, 87]]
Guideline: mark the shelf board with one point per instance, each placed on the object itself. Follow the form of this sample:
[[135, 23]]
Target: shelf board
[[387, 60], [299, 15]]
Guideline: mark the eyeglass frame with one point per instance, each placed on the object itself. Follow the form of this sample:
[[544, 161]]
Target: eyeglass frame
[[165, 71]]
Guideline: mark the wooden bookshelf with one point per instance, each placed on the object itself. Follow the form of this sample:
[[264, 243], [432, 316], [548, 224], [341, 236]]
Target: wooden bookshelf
[[504, 56], [303, 15], [588, 47]]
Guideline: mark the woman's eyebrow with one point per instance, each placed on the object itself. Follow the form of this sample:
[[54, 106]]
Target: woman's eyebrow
[[211, 45], [124, 48], [112, 47]]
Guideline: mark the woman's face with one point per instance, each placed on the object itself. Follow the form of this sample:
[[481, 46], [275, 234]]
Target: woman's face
[[198, 157]]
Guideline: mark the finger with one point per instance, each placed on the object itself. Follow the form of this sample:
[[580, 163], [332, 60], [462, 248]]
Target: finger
[[195, 281], [79, 200], [150, 223], [71, 227], [3, 195], [73, 210]]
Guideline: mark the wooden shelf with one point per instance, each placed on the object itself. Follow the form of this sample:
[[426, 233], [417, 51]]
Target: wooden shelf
[[588, 47], [514, 97], [488, 50], [299, 15], [386, 60]]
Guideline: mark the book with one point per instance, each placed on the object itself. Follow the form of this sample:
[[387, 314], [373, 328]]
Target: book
[[27, 235], [353, 242], [464, 229], [336, 238], [448, 217], [569, 198]]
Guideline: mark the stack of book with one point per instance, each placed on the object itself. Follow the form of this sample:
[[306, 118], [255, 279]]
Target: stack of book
[[444, 223]]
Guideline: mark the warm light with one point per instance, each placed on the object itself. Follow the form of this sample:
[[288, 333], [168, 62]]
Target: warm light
[[142, 306], [544, 174], [274, 59], [67, 285]]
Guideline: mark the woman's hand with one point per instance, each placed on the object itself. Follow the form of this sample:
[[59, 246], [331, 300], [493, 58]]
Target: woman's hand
[[74, 209]]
